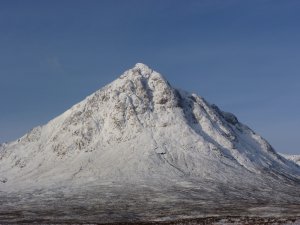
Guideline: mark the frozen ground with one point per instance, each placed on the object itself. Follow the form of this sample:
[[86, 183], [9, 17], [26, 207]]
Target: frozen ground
[[131, 203]]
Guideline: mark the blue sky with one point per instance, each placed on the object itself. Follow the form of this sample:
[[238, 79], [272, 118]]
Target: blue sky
[[242, 55]]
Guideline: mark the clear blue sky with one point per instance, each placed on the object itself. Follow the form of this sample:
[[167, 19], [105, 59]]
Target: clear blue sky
[[242, 55]]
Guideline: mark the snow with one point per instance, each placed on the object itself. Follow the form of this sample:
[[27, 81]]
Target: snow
[[140, 132], [140, 128], [293, 158]]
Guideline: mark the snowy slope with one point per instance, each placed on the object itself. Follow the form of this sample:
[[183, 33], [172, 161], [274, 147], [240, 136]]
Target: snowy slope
[[294, 158], [139, 129]]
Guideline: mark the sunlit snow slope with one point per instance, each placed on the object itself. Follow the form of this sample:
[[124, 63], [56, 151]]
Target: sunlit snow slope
[[294, 158], [139, 129]]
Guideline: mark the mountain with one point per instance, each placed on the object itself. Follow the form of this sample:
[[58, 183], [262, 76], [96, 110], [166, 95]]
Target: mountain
[[149, 143], [294, 158]]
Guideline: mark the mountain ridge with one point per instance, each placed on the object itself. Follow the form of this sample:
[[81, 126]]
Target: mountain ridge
[[293, 158]]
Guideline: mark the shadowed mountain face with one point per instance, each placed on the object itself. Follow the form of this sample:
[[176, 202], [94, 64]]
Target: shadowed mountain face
[[168, 145]]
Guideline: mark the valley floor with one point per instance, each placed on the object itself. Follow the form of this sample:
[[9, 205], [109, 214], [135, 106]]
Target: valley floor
[[226, 221], [197, 221], [116, 205]]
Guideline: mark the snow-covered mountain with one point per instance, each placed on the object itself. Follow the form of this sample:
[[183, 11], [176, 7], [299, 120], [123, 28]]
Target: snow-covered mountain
[[141, 129], [294, 158], [155, 148]]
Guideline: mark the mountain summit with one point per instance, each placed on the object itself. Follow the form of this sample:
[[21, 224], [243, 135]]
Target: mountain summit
[[140, 129], [151, 145]]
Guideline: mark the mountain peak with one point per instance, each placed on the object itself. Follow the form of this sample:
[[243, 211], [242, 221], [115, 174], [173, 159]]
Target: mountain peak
[[140, 70], [142, 67], [147, 85]]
